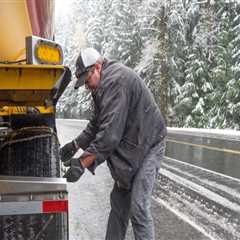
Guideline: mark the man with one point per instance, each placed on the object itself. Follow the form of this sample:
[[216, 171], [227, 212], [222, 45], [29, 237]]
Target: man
[[127, 130]]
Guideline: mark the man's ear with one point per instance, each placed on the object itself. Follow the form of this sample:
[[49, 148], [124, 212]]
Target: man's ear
[[98, 66]]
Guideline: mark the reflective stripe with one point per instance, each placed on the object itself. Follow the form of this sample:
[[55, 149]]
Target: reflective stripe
[[33, 207], [55, 206], [17, 208]]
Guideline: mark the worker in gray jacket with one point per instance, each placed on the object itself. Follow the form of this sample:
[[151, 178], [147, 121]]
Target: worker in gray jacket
[[127, 131]]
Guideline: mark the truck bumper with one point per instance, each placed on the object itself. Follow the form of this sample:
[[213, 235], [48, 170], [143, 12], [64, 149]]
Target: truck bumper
[[33, 208]]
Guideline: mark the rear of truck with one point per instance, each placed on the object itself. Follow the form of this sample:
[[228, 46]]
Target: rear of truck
[[33, 197]]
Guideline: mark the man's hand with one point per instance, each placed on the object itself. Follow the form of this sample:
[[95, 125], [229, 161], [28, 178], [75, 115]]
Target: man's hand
[[68, 151], [78, 165], [75, 171]]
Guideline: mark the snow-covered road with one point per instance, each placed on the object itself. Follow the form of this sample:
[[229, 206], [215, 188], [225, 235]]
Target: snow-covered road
[[89, 203], [189, 202]]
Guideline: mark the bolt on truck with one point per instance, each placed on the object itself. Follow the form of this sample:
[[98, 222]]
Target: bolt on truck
[[33, 196]]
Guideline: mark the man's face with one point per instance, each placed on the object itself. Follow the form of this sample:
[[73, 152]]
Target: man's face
[[92, 77]]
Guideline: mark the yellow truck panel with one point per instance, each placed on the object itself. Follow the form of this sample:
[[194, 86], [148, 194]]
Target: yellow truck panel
[[15, 25]]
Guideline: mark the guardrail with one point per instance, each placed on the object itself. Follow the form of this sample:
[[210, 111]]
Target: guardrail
[[216, 150]]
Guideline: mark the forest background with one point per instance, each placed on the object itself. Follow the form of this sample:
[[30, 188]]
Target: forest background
[[186, 51]]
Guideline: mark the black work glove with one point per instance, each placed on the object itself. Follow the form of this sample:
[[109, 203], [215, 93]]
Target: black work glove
[[75, 171], [67, 151]]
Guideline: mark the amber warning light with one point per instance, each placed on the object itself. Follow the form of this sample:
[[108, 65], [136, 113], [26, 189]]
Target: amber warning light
[[43, 51]]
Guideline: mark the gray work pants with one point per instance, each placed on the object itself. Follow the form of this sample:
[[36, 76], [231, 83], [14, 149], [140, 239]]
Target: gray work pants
[[135, 204]]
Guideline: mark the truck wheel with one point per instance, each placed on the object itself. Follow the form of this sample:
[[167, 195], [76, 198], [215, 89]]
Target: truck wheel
[[31, 151]]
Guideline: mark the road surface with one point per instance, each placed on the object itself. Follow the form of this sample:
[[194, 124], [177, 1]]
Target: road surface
[[189, 203]]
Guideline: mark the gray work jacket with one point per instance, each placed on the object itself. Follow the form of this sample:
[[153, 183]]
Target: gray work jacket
[[125, 125]]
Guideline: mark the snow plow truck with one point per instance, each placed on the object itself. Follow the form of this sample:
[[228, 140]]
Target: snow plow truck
[[33, 196]]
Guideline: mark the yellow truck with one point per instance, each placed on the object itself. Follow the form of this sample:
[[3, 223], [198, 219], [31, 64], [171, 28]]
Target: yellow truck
[[33, 196]]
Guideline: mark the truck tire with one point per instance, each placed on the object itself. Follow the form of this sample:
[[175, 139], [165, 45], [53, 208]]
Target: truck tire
[[31, 151]]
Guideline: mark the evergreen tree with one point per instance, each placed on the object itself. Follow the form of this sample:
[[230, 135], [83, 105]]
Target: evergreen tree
[[125, 45], [193, 101], [155, 67], [187, 52], [72, 39], [233, 86], [225, 97]]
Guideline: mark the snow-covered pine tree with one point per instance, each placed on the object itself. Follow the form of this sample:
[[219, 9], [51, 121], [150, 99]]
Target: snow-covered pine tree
[[98, 27], [69, 32], [126, 44], [225, 97], [187, 51], [182, 22], [193, 102], [233, 86], [154, 64]]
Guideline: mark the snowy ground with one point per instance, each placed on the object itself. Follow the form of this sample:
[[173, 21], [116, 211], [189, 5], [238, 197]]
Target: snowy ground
[[189, 202]]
